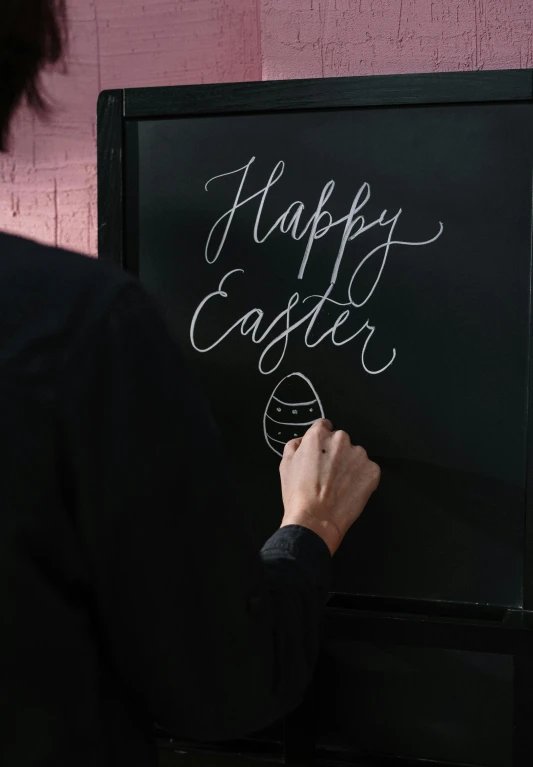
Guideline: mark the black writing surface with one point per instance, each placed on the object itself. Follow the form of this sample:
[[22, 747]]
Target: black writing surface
[[371, 265]]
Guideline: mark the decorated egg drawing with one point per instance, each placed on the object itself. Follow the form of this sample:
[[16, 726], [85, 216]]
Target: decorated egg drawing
[[293, 406]]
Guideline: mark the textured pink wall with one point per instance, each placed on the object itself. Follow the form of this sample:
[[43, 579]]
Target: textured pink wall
[[48, 180], [325, 38]]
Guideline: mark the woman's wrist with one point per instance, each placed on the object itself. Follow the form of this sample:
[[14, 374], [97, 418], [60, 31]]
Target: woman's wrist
[[323, 528]]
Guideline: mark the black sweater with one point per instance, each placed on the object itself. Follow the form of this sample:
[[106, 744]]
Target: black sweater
[[132, 590]]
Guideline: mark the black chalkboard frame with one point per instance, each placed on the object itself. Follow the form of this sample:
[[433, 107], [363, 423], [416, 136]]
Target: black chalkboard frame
[[466, 627]]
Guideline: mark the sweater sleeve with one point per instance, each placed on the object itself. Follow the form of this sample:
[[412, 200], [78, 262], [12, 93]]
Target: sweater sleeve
[[214, 638]]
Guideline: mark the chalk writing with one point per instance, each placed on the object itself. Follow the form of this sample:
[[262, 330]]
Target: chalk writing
[[275, 331]]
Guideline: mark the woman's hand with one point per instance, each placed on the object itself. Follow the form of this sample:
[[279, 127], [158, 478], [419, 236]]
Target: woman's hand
[[326, 482]]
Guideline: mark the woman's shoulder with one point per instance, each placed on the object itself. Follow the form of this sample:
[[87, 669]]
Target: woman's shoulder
[[39, 271], [54, 293]]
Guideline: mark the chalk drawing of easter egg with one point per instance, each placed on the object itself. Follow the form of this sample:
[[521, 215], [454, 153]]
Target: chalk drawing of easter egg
[[293, 406]]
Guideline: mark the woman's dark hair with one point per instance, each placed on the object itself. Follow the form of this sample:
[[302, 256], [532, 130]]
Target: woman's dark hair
[[32, 35]]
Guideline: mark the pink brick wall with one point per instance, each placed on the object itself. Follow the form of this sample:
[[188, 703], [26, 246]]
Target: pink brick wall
[[326, 38], [48, 181]]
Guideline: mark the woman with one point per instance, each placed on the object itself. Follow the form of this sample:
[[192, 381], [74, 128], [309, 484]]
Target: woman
[[131, 588]]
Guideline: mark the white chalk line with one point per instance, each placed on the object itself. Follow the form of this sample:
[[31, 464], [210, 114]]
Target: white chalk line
[[294, 404]]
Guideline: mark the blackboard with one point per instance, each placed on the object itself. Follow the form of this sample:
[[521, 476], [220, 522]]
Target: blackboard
[[446, 417], [361, 248]]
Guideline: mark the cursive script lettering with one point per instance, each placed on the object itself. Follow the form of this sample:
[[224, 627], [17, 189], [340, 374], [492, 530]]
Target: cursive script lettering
[[319, 224], [250, 324], [291, 222]]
